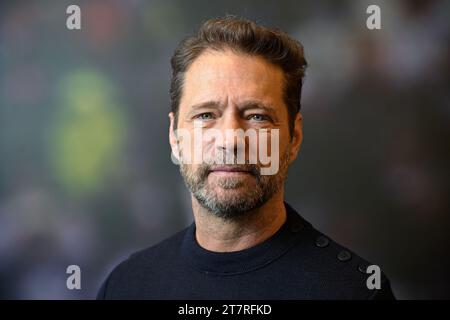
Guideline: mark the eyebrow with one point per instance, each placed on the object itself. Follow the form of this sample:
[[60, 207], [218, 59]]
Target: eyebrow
[[206, 104], [249, 104], [256, 104]]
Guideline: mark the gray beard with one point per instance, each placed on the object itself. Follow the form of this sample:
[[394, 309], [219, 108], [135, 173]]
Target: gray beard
[[240, 205]]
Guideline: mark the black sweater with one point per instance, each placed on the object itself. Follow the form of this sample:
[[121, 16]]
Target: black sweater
[[297, 262]]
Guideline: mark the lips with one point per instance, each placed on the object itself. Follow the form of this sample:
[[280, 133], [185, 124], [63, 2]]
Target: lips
[[229, 169]]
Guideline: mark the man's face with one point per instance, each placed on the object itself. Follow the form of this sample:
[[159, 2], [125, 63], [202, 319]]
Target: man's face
[[224, 92]]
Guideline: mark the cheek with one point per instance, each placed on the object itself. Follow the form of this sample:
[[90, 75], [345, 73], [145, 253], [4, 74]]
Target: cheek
[[284, 141], [273, 143], [208, 150]]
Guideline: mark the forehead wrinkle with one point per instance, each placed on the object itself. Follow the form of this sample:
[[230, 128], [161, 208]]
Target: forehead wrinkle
[[231, 78]]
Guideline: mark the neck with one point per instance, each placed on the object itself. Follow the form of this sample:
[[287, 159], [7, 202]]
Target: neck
[[226, 235]]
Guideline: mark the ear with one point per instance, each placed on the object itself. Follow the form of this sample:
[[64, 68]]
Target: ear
[[297, 137], [173, 140]]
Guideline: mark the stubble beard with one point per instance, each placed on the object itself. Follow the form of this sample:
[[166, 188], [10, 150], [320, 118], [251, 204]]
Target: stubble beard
[[227, 204]]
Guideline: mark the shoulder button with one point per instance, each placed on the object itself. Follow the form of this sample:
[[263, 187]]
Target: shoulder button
[[344, 256], [362, 268], [322, 242]]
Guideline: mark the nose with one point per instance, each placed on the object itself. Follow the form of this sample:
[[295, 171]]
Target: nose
[[231, 145]]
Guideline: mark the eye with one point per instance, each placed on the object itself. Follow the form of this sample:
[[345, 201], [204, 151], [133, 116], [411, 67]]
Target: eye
[[205, 116], [258, 117]]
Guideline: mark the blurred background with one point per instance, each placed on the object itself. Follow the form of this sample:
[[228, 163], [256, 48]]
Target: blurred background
[[85, 170]]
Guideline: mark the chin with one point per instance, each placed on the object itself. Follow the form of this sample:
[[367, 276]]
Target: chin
[[229, 195]]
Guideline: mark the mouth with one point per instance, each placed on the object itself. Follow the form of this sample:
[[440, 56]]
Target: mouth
[[230, 170]]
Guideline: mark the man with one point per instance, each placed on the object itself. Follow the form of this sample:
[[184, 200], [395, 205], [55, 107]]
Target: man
[[246, 242]]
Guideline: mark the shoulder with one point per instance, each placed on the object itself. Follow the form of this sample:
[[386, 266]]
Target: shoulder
[[140, 264], [337, 271]]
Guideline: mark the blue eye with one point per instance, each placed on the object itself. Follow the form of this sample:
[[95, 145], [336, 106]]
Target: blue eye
[[205, 116], [258, 117]]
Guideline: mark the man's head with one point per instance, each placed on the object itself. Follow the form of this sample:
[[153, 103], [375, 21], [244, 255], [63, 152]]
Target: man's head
[[237, 75]]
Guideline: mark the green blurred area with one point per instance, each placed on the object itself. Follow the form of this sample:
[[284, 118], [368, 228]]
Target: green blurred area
[[87, 140]]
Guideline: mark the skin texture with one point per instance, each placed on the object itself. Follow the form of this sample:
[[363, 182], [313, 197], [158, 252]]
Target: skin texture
[[240, 87]]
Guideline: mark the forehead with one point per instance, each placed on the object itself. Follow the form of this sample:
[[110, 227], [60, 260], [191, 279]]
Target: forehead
[[227, 76]]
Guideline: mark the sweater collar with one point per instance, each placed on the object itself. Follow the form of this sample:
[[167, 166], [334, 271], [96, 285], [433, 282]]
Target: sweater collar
[[229, 263]]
